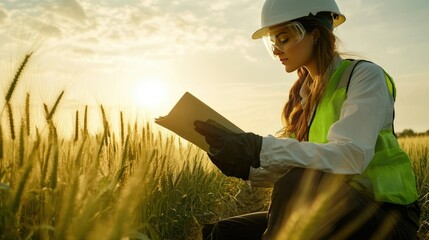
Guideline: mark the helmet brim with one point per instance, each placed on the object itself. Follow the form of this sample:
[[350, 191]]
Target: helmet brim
[[265, 30]]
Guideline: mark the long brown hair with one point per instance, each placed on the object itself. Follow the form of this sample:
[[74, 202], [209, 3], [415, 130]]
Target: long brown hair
[[295, 116]]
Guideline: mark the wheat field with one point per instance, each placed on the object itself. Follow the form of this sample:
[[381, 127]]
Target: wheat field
[[141, 186], [418, 149], [135, 184]]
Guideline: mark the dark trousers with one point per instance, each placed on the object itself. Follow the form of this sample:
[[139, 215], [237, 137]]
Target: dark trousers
[[309, 204]]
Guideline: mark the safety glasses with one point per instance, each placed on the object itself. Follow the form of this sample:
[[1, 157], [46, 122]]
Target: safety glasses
[[283, 37]]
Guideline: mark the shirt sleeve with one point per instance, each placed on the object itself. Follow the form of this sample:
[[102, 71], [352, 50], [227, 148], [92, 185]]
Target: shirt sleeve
[[351, 140]]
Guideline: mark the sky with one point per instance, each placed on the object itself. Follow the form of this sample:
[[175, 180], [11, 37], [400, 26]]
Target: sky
[[141, 56]]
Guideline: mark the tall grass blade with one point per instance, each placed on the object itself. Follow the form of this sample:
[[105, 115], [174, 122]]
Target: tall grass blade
[[20, 190], [67, 215]]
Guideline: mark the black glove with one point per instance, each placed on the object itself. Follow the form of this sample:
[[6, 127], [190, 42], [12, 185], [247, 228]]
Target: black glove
[[231, 169], [232, 153]]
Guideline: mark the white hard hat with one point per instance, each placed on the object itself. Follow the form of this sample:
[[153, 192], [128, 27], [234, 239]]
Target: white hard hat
[[275, 12]]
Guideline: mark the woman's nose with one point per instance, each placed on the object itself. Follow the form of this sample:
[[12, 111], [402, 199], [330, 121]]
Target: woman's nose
[[276, 51]]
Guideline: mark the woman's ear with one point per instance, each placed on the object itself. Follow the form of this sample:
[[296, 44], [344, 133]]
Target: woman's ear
[[315, 34]]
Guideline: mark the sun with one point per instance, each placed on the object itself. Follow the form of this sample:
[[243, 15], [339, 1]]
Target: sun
[[149, 93]]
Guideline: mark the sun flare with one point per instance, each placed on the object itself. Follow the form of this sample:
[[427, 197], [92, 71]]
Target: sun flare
[[149, 93]]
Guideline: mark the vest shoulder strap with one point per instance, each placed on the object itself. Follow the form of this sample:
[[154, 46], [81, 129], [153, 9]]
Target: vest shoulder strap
[[348, 72], [347, 75]]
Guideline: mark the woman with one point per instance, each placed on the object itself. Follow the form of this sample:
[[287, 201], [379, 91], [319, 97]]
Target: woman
[[336, 166]]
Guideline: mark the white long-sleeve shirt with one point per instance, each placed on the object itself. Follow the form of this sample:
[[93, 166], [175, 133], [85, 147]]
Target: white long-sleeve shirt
[[367, 110]]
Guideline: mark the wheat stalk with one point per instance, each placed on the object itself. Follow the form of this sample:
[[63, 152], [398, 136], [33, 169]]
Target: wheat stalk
[[35, 146], [1, 145], [69, 208], [122, 129], [16, 203], [85, 121], [54, 174], [104, 138], [27, 113], [45, 166], [21, 145], [54, 108], [76, 129], [120, 174], [11, 122], [16, 78], [77, 161], [114, 142], [45, 108], [106, 126]]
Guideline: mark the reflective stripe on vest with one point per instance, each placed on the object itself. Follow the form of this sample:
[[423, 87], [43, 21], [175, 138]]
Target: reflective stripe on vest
[[389, 176]]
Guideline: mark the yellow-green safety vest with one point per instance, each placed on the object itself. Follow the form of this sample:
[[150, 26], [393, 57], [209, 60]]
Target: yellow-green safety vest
[[389, 176]]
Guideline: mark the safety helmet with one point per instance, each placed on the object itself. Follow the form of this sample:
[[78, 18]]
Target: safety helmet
[[276, 12]]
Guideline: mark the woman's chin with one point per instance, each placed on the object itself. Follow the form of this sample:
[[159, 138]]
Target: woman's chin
[[290, 69]]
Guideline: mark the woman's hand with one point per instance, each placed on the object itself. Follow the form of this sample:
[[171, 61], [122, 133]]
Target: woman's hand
[[232, 153]]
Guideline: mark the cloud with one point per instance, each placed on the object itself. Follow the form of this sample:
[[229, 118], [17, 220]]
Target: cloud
[[149, 29], [3, 14], [83, 51], [220, 5], [155, 30], [148, 3], [72, 9], [45, 29], [157, 27]]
